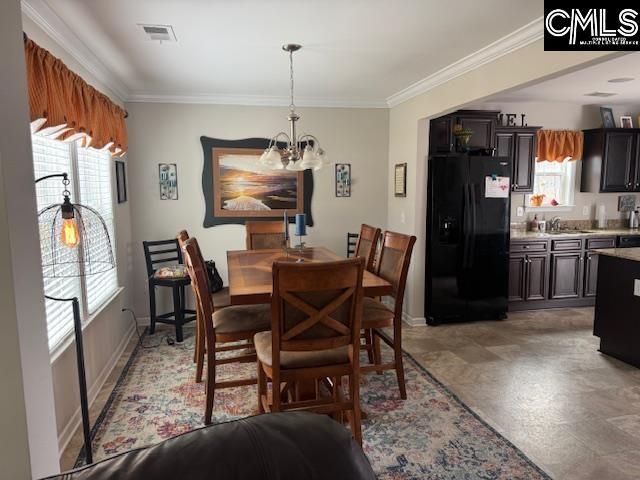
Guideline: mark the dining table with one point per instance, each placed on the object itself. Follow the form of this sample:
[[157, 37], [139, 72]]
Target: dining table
[[250, 276]]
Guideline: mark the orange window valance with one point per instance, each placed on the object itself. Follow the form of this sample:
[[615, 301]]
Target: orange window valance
[[559, 145], [60, 98]]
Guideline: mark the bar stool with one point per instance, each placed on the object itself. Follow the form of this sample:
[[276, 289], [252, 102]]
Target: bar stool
[[162, 252]]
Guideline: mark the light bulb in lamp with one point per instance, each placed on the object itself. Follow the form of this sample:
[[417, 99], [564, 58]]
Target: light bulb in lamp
[[69, 234]]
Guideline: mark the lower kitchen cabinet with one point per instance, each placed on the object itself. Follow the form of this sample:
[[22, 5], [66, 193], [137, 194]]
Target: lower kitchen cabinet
[[527, 277], [517, 277], [560, 272], [590, 274], [566, 275], [537, 275]]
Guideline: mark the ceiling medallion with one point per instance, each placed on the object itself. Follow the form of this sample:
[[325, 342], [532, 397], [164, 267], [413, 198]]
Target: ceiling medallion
[[300, 153]]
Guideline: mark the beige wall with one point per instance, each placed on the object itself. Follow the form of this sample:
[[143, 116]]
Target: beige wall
[[407, 137], [28, 444], [106, 335], [569, 116], [171, 133]]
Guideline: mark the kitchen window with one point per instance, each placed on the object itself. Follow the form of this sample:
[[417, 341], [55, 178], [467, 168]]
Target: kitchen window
[[556, 181], [90, 172]]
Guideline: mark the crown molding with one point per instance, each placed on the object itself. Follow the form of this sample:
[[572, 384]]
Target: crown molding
[[525, 35], [252, 100], [42, 15]]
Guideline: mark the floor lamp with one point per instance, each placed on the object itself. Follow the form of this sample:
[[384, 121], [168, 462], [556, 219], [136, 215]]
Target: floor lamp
[[74, 242]]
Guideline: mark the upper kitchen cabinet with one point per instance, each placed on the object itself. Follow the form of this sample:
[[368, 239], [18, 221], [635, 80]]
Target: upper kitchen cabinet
[[481, 122], [611, 160], [519, 145]]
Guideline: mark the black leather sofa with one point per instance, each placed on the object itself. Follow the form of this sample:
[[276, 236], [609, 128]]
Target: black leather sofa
[[275, 446]]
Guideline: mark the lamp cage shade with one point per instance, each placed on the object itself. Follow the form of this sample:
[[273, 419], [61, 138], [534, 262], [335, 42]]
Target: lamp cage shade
[[91, 255]]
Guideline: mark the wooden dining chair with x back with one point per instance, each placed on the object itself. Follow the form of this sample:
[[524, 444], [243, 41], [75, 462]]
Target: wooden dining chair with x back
[[232, 325], [262, 235], [393, 266], [220, 300], [315, 336]]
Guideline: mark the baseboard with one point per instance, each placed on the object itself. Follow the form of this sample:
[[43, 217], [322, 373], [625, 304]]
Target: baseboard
[[413, 321], [72, 425], [406, 318]]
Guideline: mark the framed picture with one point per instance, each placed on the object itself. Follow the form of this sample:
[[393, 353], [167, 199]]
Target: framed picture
[[400, 180], [626, 121], [237, 188], [607, 118], [626, 203], [168, 177], [121, 182], [343, 179]]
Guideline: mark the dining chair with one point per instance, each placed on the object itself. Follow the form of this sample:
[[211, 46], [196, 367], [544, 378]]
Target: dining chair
[[367, 245], [235, 324], [221, 299], [263, 235], [157, 254], [393, 266], [316, 311], [352, 240]]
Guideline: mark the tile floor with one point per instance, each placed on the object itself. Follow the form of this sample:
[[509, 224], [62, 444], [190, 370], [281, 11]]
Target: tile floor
[[537, 378]]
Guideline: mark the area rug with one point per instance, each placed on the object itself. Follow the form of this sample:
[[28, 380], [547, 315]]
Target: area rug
[[430, 435]]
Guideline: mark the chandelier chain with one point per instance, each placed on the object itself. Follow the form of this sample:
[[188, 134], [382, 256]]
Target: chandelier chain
[[292, 107]]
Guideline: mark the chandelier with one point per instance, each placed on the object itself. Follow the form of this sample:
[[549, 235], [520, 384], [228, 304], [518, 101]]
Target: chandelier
[[300, 153]]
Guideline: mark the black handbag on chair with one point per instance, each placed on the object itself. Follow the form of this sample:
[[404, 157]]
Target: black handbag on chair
[[215, 280]]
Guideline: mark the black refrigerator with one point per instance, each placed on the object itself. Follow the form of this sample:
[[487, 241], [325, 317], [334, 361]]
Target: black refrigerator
[[467, 257]]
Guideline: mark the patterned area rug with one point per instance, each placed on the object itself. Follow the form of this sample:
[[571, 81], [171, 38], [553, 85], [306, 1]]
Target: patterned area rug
[[431, 435]]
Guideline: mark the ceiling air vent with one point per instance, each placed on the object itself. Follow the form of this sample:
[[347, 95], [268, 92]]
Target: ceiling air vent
[[161, 33], [600, 94]]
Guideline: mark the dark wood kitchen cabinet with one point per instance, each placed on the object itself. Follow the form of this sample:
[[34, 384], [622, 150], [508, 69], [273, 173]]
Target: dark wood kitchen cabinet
[[590, 274], [566, 275], [528, 272], [517, 277], [611, 160], [519, 145], [559, 272], [482, 122]]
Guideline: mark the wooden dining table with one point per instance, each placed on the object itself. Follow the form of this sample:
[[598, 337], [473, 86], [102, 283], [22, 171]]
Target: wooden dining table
[[250, 277]]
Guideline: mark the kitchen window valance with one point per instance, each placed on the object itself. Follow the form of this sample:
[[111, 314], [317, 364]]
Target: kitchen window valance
[[559, 145], [69, 107]]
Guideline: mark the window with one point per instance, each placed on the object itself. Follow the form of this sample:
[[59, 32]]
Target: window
[[91, 184], [556, 181]]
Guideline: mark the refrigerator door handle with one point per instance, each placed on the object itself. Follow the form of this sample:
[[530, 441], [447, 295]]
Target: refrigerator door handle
[[466, 218], [472, 221]]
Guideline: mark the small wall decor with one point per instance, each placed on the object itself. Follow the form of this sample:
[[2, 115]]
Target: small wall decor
[[121, 182], [168, 175], [626, 203], [509, 120], [343, 179], [237, 187], [626, 121], [400, 180], [607, 118]]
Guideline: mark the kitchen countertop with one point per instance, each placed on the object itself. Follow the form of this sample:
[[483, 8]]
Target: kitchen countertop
[[627, 253], [520, 235]]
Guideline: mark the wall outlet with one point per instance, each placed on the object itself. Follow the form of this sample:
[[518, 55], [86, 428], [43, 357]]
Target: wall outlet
[[402, 218], [636, 287], [585, 210], [520, 212]]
